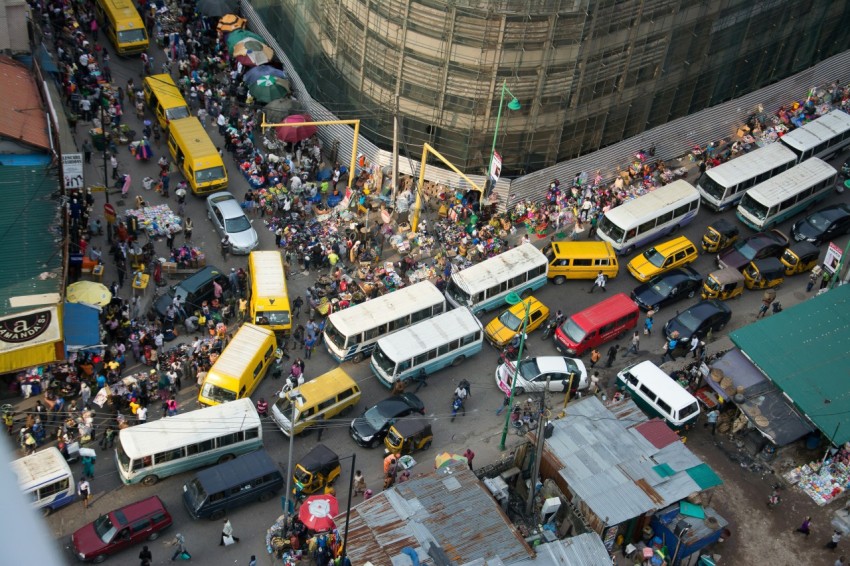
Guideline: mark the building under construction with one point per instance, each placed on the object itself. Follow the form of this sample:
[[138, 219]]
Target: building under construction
[[586, 73]]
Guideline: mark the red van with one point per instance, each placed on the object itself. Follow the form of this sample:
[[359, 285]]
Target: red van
[[596, 325], [120, 529]]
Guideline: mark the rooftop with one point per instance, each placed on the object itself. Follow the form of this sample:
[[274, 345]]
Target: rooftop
[[22, 117]]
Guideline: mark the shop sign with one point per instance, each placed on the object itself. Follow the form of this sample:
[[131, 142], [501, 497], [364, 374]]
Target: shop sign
[[30, 328]]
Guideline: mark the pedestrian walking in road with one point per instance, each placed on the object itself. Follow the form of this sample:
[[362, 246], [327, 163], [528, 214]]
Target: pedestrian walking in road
[[711, 420], [806, 527], [599, 282], [169, 238], [833, 542], [87, 149], [647, 324], [693, 346], [187, 229], [180, 542], [612, 354], [825, 279], [113, 162], [252, 561], [765, 304], [88, 466], [594, 357], [145, 555], [633, 347], [669, 347], [842, 561], [359, 483], [227, 537], [84, 491]]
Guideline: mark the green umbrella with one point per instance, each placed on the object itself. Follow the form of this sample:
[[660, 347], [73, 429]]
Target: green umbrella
[[235, 37], [268, 88]]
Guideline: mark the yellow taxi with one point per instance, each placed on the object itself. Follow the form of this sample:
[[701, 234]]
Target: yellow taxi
[[502, 329], [677, 252]]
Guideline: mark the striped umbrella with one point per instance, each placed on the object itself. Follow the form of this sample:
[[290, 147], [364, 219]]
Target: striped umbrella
[[268, 88]]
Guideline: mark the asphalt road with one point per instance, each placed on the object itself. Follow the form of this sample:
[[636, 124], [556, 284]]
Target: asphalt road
[[480, 429]]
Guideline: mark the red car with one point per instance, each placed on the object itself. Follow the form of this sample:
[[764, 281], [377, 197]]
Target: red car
[[120, 529]]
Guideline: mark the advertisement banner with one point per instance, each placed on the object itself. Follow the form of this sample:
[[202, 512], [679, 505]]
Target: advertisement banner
[[72, 170], [495, 167], [832, 258]]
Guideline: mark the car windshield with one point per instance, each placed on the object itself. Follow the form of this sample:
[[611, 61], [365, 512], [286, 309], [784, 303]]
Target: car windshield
[[236, 225], [689, 321], [207, 175], [662, 286], [196, 493], [529, 369], [131, 36], [510, 320], [746, 249], [217, 394], [712, 283], [611, 230], [820, 221], [272, 317], [374, 418], [177, 112], [573, 331], [653, 257], [104, 528]]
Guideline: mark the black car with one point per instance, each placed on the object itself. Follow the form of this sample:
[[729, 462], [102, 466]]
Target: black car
[[667, 288], [823, 225], [370, 428], [757, 246], [193, 290], [697, 320]]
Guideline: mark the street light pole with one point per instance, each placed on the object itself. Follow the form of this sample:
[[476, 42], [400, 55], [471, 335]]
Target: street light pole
[[512, 105], [513, 299], [105, 172]]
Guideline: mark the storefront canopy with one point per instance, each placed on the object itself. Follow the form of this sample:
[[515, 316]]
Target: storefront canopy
[[764, 404], [82, 327], [31, 338]]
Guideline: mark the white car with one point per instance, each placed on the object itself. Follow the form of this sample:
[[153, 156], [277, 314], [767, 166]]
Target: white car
[[534, 371], [228, 219]]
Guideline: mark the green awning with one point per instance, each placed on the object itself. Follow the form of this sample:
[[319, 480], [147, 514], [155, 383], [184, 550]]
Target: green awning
[[704, 476]]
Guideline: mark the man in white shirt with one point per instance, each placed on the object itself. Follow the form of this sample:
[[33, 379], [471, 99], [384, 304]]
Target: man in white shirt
[[142, 414]]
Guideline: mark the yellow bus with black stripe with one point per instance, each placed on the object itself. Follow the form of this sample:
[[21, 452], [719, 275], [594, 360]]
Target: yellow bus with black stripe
[[196, 156], [121, 22]]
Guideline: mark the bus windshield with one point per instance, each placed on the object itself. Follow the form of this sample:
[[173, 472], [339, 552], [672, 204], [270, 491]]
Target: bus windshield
[[196, 493], [712, 187], [334, 335], [573, 331], [211, 174], [457, 293], [272, 317], [217, 394], [123, 459], [754, 207], [132, 36], [612, 230], [177, 113], [383, 362]]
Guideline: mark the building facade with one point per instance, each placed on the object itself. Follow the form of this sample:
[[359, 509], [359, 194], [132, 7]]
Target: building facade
[[587, 73]]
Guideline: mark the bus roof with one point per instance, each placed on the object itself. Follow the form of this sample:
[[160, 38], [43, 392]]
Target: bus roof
[[239, 353], [778, 188], [655, 378], [237, 471], [581, 250], [635, 212], [502, 267], [45, 466], [335, 380], [810, 135], [190, 131], [428, 334], [267, 276], [122, 9], [196, 426], [751, 164], [164, 85], [391, 306]]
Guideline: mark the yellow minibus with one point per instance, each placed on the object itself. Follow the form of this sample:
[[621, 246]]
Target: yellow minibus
[[121, 22], [241, 366], [268, 301], [165, 99], [196, 156]]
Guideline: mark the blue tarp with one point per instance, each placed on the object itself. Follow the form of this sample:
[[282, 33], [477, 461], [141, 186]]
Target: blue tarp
[[81, 327]]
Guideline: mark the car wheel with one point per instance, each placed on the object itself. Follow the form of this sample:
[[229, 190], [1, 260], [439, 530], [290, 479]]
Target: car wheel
[[216, 515], [153, 536], [150, 480], [458, 360], [559, 280], [628, 250], [99, 559], [426, 446], [692, 293], [226, 458], [265, 496], [720, 326], [674, 229], [357, 358]]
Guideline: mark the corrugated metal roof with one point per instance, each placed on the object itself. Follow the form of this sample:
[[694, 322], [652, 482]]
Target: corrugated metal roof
[[30, 241], [815, 337], [582, 550], [612, 468], [449, 508], [23, 117], [657, 433]]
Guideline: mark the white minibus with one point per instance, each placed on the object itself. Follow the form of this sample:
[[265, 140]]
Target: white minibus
[[46, 478]]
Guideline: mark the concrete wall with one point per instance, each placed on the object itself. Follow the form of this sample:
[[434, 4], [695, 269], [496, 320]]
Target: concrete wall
[[13, 26]]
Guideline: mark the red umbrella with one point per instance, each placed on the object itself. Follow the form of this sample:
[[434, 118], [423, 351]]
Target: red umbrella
[[294, 134], [317, 512]]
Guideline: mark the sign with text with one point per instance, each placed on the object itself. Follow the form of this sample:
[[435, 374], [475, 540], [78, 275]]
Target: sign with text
[[72, 170], [495, 167], [833, 257]]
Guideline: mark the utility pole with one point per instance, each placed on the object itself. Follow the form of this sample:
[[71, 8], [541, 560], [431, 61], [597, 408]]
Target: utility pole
[[395, 153], [538, 453], [105, 172]]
